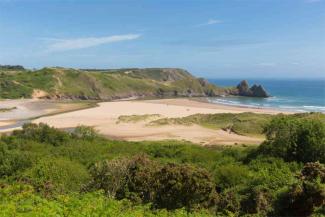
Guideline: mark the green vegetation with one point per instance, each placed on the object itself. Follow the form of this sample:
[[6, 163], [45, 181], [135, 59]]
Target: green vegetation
[[7, 109], [243, 123], [295, 139], [136, 118], [47, 172], [106, 84]]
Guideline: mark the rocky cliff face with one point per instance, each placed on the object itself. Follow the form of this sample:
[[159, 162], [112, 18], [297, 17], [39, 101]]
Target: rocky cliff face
[[254, 91]]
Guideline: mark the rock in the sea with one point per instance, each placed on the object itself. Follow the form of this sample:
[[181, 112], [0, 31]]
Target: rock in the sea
[[254, 91]]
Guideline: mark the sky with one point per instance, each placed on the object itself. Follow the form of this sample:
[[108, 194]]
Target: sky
[[210, 38]]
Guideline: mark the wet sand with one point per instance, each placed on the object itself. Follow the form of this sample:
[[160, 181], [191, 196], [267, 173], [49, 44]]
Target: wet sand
[[26, 109]]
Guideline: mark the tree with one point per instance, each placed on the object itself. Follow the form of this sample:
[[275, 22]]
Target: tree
[[295, 139]]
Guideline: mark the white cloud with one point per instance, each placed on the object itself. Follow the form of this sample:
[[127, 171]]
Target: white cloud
[[210, 22], [80, 43]]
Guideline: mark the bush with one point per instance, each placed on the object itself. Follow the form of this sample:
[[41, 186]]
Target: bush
[[259, 200], [55, 175], [184, 186], [230, 175], [305, 196], [12, 161], [21, 200], [85, 132], [272, 173], [229, 202], [109, 176], [295, 139], [42, 133], [140, 180]]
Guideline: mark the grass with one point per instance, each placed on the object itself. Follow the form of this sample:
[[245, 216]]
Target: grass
[[242, 123], [247, 123], [7, 109], [136, 118]]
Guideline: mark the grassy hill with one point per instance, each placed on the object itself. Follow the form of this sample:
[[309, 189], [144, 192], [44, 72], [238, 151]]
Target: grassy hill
[[67, 83]]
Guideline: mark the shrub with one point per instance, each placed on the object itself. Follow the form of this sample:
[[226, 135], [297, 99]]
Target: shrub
[[295, 139], [229, 201], [42, 133], [258, 200], [184, 186], [56, 175], [272, 173], [109, 176], [144, 181], [12, 161], [85, 132], [21, 200], [305, 196], [230, 175], [140, 180]]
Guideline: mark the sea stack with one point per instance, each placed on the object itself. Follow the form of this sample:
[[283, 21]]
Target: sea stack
[[254, 91]]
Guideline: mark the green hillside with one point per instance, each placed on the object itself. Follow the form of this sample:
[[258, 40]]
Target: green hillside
[[66, 83]]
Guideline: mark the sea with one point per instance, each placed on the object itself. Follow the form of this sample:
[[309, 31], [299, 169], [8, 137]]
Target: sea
[[298, 95]]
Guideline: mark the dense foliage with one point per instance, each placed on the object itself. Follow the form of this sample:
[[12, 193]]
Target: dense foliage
[[295, 139], [47, 172]]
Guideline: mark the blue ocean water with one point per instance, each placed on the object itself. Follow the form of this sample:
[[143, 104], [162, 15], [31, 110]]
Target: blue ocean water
[[293, 95]]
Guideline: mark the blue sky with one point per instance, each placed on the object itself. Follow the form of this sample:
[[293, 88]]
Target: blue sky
[[215, 39]]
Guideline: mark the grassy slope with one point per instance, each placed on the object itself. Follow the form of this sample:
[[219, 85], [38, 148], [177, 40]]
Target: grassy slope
[[108, 84]]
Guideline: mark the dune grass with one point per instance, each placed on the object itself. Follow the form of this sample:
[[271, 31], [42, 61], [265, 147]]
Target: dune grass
[[7, 109], [250, 124], [136, 118]]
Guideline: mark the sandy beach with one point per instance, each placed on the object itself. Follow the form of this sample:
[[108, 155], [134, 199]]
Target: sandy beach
[[105, 117]]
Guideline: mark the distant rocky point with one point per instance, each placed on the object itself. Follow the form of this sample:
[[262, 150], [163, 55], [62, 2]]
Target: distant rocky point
[[254, 91]]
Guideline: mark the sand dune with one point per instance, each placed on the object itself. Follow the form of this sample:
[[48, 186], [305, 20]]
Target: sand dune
[[104, 118]]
